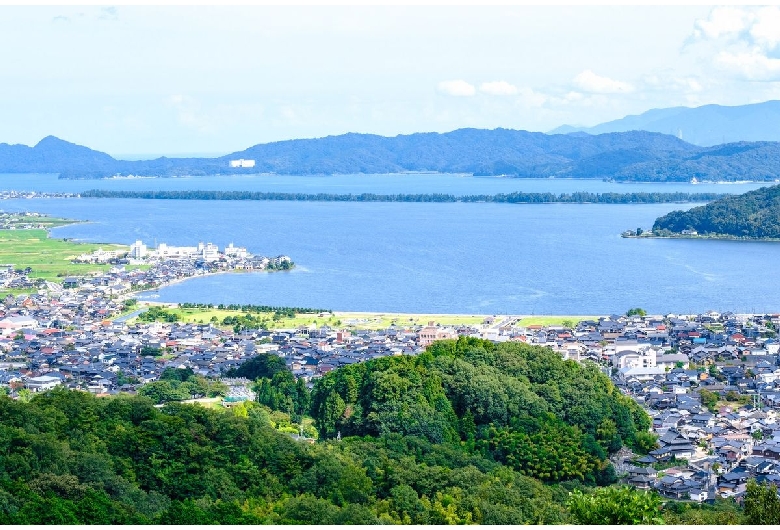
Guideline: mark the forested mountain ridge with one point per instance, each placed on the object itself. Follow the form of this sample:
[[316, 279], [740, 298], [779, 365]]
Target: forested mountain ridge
[[752, 215], [633, 155]]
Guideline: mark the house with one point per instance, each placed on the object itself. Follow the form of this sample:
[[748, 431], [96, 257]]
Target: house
[[42, 383], [431, 333], [642, 477], [70, 282], [697, 495], [12, 324]]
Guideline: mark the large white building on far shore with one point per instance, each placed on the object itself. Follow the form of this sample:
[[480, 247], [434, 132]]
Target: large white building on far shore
[[207, 251], [242, 163]]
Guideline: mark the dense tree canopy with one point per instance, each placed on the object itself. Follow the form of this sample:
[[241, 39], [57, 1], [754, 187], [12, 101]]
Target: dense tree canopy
[[510, 198], [755, 214], [67, 457], [522, 405], [467, 432]]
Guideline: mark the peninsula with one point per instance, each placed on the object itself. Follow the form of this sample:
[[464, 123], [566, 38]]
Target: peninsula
[[754, 215], [580, 197], [32, 260]]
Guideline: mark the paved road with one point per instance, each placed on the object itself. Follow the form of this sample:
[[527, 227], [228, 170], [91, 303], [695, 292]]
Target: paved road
[[130, 315]]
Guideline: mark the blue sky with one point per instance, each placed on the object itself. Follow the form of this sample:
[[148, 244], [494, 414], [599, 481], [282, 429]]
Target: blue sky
[[184, 80]]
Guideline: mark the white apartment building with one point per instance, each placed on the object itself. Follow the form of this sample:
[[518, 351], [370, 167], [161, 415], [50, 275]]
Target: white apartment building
[[242, 163]]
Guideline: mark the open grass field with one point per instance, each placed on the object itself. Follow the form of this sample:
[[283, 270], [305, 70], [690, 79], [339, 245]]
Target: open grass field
[[361, 320], [355, 320], [45, 222], [48, 258], [554, 320]]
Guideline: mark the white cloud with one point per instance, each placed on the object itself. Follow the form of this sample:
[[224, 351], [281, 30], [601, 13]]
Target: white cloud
[[742, 41], [587, 81], [456, 87], [766, 29], [721, 21], [752, 65], [498, 88], [530, 98]]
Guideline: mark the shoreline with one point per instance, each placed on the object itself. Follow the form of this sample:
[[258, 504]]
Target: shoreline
[[705, 238], [421, 172]]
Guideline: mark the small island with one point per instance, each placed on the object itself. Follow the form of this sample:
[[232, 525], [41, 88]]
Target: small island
[[754, 215]]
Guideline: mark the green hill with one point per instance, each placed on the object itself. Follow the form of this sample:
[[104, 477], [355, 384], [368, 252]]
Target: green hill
[[752, 215], [468, 432], [522, 405]]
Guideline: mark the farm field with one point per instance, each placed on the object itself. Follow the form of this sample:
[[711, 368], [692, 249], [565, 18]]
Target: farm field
[[48, 258], [357, 320]]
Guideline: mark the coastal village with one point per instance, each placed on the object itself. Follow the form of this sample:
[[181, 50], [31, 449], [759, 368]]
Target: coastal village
[[711, 381]]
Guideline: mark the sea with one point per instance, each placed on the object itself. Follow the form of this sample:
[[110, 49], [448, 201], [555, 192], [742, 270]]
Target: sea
[[465, 258]]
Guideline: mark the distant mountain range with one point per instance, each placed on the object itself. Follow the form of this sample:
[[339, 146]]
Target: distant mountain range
[[705, 126], [635, 155]]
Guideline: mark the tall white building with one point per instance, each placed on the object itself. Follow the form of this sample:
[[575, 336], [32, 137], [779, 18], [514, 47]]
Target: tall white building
[[210, 252], [238, 252], [279, 259], [165, 251], [138, 250]]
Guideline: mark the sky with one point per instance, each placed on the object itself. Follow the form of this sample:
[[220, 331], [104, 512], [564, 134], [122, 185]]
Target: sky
[[136, 80]]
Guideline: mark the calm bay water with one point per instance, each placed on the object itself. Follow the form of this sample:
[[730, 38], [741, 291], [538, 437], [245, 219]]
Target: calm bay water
[[448, 257]]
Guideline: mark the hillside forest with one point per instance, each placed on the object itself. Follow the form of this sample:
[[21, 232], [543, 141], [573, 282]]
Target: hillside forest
[[467, 432]]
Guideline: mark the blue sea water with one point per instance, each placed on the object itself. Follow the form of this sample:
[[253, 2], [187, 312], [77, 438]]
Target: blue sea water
[[435, 257]]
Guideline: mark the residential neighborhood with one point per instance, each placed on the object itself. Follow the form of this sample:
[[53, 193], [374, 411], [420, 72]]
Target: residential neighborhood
[[80, 335]]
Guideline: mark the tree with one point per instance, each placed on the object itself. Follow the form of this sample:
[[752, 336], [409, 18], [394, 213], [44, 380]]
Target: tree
[[762, 505], [645, 442], [24, 395], [615, 506], [151, 350], [709, 399], [636, 311], [163, 391], [261, 366]]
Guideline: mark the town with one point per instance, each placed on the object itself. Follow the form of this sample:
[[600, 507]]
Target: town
[[166, 264], [711, 381]]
